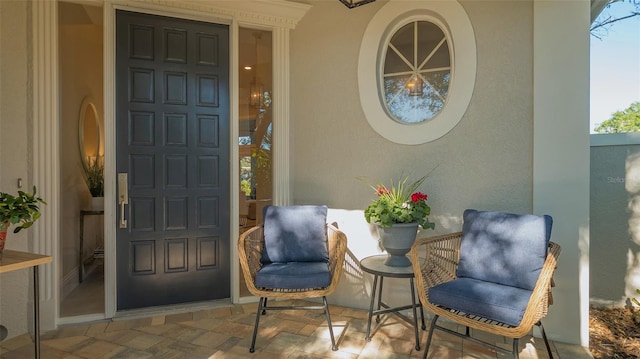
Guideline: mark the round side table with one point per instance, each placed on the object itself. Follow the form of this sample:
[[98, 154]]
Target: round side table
[[375, 265]]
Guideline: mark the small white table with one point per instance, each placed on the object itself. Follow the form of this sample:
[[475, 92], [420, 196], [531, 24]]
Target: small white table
[[14, 260]]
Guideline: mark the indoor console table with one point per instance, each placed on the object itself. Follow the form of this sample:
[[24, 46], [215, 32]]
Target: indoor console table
[[375, 265], [14, 260], [84, 213]]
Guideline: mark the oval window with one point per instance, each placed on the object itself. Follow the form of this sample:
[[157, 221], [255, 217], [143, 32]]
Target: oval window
[[417, 69], [416, 72]]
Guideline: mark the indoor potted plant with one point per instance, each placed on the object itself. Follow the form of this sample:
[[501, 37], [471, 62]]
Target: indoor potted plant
[[94, 177], [21, 210], [398, 210]]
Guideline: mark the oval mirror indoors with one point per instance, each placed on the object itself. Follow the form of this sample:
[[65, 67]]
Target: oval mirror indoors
[[89, 132], [90, 139]]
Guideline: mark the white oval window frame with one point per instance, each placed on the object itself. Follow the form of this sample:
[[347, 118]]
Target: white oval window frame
[[457, 27]]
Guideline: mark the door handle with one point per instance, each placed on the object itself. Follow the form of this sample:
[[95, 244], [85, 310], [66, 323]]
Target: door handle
[[123, 196]]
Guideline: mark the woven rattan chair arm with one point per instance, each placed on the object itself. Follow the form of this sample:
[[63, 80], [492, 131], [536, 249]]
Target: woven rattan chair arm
[[250, 244], [337, 244], [540, 298], [441, 256]]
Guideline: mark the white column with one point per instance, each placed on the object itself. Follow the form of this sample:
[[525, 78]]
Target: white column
[[561, 155], [45, 153], [281, 132]]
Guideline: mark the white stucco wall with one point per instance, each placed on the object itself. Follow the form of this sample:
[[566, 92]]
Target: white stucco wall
[[15, 300], [486, 162], [615, 236], [561, 155]]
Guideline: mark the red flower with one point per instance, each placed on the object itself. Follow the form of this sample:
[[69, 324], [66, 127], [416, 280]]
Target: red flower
[[382, 190], [418, 196]]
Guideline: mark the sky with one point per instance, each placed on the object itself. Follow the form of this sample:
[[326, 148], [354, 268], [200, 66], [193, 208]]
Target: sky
[[615, 67]]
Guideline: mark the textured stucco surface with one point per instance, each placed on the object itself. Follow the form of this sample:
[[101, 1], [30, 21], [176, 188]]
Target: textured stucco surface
[[615, 225], [14, 159], [485, 162]]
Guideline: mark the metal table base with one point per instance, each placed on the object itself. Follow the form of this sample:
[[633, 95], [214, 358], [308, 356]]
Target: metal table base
[[375, 265]]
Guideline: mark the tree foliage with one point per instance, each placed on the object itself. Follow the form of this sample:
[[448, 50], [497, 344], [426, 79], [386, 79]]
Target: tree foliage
[[600, 26], [627, 120]]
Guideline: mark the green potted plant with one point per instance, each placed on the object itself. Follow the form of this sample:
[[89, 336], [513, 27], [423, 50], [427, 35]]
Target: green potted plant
[[399, 203], [398, 210], [20, 210], [94, 177]]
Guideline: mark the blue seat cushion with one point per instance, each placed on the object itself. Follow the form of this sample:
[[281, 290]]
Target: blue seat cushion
[[295, 234], [493, 301], [294, 275], [504, 248]]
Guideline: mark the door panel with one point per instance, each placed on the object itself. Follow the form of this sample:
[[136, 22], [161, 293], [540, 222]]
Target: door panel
[[172, 113]]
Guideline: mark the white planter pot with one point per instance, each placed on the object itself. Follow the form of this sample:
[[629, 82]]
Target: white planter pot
[[397, 241], [97, 203]]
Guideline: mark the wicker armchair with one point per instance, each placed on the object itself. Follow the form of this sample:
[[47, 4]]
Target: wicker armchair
[[250, 248], [442, 256]]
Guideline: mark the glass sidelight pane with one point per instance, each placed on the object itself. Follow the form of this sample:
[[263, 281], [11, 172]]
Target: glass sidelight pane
[[255, 128]]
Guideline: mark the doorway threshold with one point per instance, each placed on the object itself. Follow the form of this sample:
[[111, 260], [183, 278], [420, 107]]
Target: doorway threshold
[[171, 309], [77, 319]]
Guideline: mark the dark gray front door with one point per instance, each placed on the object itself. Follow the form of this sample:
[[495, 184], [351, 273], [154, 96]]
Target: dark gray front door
[[172, 113]]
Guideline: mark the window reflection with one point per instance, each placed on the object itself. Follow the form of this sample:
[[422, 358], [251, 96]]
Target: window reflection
[[255, 127], [417, 70]]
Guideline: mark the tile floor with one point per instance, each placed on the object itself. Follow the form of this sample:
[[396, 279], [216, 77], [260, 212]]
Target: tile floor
[[87, 297], [225, 332]]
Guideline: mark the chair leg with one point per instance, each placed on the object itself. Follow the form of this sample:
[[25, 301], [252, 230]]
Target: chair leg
[[424, 326], [516, 353], [544, 336], [334, 347], [262, 303], [428, 344]]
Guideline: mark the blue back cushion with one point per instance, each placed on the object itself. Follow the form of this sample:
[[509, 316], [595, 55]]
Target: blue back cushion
[[504, 248], [295, 234]]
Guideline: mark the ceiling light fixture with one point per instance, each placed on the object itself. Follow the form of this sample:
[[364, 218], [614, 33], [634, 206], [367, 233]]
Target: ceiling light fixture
[[415, 86], [256, 90], [355, 3]]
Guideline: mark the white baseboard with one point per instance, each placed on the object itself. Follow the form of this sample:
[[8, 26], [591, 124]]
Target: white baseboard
[[69, 282]]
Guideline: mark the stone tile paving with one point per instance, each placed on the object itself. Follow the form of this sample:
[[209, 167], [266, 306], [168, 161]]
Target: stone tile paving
[[226, 333]]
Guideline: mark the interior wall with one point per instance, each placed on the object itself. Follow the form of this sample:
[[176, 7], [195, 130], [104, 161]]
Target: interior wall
[[485, 162], [81, 74], [15, 300]]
